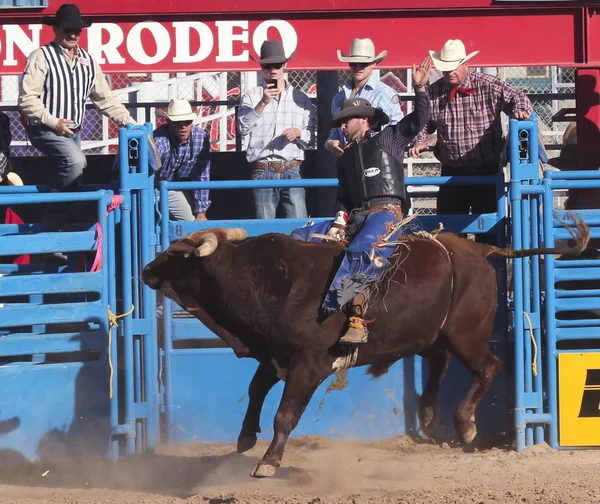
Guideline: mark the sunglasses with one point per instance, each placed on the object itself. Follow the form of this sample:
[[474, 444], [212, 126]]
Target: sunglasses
[[182, 124], [359, 65], [272, 66], [72, 31]]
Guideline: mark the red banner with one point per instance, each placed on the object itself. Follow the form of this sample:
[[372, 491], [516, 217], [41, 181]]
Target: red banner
[[190, 46]]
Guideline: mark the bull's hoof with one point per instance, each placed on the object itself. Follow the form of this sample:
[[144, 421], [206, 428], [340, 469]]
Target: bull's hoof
[[428, 421], [263, 471], [245, 443], [468, 433]]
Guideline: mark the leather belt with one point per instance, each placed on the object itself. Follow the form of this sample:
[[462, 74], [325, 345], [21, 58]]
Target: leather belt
[[276, 166]]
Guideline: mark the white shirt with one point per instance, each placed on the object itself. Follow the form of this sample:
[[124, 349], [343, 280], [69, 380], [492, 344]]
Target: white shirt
[[293, 109]]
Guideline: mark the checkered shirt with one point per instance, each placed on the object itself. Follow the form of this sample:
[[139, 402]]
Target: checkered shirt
[[189, 161], [469, 131]]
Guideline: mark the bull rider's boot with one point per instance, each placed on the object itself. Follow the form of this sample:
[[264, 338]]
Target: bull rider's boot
[[357, 331]]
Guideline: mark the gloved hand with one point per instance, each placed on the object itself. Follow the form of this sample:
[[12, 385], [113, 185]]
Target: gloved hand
[[339, 225]]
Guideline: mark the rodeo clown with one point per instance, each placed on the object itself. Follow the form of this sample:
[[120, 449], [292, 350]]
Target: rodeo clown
[[371, 199]]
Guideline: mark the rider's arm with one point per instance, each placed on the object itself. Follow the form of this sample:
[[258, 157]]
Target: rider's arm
[[414, 122]]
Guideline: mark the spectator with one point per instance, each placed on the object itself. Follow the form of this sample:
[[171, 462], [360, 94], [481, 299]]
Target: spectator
[[279, 121], [184, 151], [363, 84], [465, 112]]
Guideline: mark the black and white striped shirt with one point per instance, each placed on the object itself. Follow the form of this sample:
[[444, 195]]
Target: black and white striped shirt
[[67, 87]]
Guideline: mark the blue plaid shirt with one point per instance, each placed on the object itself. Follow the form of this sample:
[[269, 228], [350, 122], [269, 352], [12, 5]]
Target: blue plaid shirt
[[185, 162], [379, 94]]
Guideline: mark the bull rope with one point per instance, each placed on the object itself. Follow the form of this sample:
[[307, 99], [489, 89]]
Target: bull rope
[[112, 322], [534, 366], [429, 236]]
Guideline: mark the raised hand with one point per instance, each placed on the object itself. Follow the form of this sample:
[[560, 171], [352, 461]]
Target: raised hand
[[420, 74]]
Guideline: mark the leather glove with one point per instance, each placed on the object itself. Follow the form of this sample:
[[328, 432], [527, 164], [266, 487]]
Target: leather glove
[[339, 225]]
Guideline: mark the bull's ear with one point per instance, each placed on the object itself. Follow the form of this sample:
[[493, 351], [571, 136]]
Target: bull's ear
[[181, 249]]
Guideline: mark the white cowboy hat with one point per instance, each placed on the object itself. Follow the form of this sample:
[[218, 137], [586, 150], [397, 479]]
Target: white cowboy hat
[[12, 179], [452, 55], [362, 51], [178, 110]]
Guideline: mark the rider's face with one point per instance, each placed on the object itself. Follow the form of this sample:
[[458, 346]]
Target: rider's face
[[355, 128]]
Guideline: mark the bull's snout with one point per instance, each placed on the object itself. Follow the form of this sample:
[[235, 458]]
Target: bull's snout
[[150, 274]]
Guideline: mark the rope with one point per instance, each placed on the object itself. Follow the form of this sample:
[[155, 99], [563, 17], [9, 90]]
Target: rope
[[115, 201], [112, 322], [534, 363]]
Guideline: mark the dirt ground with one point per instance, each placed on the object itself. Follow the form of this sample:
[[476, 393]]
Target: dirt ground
[[316, 470]]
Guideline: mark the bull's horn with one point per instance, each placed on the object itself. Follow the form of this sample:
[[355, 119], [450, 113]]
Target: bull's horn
[[236, 234], [206, 245]]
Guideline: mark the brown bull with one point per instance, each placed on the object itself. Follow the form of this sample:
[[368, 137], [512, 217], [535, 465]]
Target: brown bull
[[262, 297]]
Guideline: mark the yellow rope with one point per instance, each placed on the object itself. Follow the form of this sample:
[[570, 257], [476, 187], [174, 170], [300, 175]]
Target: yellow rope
[[112, 322], [534, 363]]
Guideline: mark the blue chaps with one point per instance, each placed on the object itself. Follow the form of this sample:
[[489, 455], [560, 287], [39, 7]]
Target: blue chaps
[[367, 255]]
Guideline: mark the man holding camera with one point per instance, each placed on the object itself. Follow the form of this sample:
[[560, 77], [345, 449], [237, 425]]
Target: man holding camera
[[279, 121]]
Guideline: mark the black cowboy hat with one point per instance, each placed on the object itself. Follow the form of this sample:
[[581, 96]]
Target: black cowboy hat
[[69, 17], [567, 160], [359, 107], [272, 51]]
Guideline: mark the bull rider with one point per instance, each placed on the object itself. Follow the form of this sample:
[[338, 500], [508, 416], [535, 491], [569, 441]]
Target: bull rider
[[371, 199]]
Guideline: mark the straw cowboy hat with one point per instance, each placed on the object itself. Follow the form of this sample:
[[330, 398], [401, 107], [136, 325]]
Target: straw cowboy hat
[[452, 55], [271, 51], [11, 179], [69, 17], [178, 110], [362, 51], [359, 107]]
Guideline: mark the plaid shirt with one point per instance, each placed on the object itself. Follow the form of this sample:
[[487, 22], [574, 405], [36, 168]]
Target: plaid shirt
[[189, 161], [469, 131], [380, 95], [293, 109]]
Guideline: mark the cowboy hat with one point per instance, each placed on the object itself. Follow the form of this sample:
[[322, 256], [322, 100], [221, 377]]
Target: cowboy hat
[[452, 55], [359, 107], [11, 179], [178, 110], [69, 17], [567, 159], [271, 51], [362, 51]]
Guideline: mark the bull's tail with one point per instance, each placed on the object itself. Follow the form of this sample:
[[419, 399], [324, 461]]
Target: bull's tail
[[581, 236]]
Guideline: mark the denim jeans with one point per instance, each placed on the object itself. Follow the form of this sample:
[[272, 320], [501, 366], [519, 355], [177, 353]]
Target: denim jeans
[[67, 160], [266, 201]]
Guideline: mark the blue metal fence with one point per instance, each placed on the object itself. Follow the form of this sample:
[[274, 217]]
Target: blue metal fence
[[107, 388], [365, 408]]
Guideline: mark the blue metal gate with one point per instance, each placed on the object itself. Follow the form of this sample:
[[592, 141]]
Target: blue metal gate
[[196, 362], [551, 319], [78, 373]]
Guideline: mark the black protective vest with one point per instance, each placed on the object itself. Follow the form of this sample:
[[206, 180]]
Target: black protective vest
[[372, 172]]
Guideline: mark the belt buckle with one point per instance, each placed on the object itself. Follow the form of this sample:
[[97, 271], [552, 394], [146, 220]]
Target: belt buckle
[[278, 166]]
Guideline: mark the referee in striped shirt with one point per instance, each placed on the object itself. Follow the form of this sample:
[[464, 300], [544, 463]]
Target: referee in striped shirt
[[58, 79]]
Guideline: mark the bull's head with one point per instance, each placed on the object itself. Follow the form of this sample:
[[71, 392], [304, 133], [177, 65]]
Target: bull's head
[[178, 261]]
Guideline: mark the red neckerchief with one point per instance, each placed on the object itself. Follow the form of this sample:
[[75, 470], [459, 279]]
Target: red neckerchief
[[465, 91]]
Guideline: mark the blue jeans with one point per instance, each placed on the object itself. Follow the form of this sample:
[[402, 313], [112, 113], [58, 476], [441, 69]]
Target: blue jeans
[[67, 160], [267, 200]]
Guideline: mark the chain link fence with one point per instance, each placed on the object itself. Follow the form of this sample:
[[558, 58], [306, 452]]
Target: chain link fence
[[152, 91]]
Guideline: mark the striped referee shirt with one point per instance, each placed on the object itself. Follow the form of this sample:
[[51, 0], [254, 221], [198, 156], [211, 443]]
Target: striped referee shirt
[[56, 86]]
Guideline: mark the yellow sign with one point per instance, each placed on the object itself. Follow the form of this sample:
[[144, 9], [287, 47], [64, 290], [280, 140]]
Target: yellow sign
[[579, 399]]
